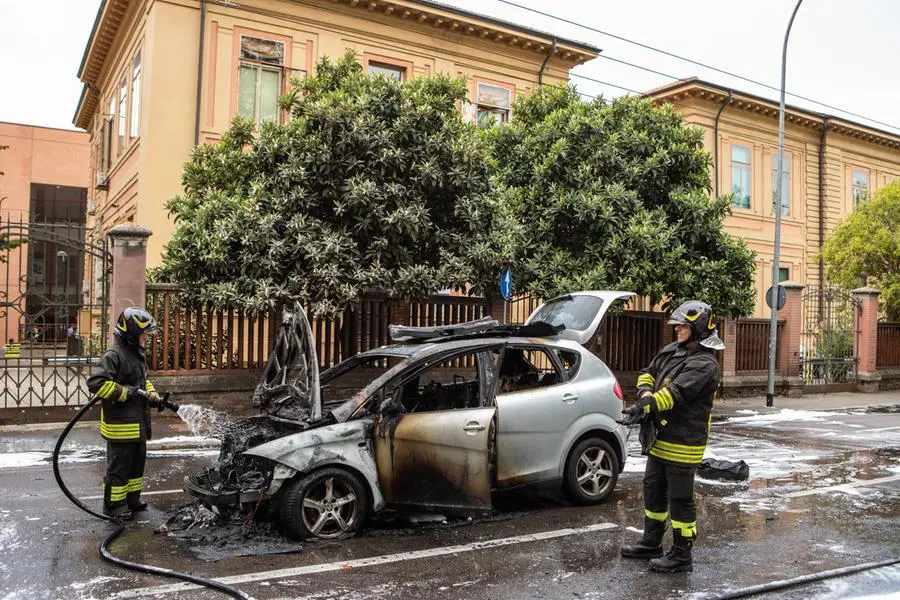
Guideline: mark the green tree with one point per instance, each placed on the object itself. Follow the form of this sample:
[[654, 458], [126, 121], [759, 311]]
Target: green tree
[[866, 246], [615, 196], [371, 183]]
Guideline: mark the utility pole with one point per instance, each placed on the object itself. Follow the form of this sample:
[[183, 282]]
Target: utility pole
[[773, 323]]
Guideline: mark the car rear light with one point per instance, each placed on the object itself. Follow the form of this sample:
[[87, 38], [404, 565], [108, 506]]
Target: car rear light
[[617, 390]]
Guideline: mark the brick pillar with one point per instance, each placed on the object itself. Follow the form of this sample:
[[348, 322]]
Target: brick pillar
[[865, 344], [129, 273], [787, 351], [399, 311], [729, 354], [496, 311]]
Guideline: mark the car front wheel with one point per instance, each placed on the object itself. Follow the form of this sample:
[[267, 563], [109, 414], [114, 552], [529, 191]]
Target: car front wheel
[[592, 471], [327, 504]]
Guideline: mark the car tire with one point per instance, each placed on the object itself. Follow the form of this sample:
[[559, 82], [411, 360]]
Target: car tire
[[327, 504], [591, 472]]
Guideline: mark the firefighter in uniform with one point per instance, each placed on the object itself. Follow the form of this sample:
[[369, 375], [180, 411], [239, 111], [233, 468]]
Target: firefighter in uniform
[[120, 380], [675, 401]]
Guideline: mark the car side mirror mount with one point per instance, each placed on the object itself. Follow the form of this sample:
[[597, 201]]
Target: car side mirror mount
[[390, 405]]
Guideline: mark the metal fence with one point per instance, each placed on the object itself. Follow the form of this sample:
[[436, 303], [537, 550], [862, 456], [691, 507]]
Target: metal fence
[[752, 344], [888, 345], [196, 339]]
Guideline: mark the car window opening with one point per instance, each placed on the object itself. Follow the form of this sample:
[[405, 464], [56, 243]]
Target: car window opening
[[452, 384], [526, 369]]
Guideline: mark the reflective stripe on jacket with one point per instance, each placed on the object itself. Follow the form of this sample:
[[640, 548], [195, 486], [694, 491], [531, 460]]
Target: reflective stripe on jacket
[[122, 419], [683, 382]]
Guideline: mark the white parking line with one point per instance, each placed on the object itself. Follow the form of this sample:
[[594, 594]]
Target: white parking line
[[367, 562], [844, 487]]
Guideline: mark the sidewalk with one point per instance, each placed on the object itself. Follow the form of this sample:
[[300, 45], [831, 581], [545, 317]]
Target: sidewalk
[[813, 402], [170, 433]]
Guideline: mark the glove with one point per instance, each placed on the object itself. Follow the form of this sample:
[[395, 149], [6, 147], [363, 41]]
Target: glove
[[634, 413], [135, 393], [154, 400]]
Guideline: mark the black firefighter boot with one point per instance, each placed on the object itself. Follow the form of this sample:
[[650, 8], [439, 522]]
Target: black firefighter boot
[[677, 559], [134, 502], [650, 545]]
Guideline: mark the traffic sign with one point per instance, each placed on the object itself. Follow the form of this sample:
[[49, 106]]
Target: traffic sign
[[506, 283], [782, 297]]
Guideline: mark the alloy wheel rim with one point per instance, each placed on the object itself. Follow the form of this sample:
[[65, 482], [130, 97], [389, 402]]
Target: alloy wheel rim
[[330, 508], [593, 472]]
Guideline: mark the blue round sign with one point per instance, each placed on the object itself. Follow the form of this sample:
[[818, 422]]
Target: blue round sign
[[506, 283]]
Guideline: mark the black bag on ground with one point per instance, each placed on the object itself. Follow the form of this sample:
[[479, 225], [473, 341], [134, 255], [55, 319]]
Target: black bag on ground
[[711, 468]]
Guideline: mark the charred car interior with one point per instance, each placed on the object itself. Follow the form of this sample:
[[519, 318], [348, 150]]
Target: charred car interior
[[439, 420]]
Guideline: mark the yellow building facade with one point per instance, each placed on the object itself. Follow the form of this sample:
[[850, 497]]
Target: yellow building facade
[[162, 76], [831, 164]]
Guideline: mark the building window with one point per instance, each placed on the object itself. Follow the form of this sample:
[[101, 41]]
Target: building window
[[859, 187], [740, 176], [785, 185], [784, 273], [259, 85], [109, 122], [123, 115], [388, 70], [135, 97], [493, 104]]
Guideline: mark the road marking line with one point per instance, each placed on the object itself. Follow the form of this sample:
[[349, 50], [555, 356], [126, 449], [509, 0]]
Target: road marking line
[[367, 562], [844, 487], [156, 493]]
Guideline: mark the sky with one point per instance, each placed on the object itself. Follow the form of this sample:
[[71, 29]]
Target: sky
[[845, 54]]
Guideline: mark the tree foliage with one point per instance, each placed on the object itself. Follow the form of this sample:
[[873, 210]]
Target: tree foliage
[[371, 183], [866, 245], [615, 196]]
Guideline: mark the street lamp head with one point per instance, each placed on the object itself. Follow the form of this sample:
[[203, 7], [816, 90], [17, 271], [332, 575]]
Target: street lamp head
[[63, 255]]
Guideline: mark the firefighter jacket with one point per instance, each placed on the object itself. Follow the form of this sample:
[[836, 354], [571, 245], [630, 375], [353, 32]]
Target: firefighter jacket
[[683, 382], [122, 419]]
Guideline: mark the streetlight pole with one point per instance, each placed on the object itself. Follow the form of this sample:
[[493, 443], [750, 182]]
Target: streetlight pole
[[773, 323]]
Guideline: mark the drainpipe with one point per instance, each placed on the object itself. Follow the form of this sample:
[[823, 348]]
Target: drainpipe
[[200, 71], [716, 138], [544, 64], [822, 201]]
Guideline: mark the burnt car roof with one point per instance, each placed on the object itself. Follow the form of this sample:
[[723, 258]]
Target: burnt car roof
[[417, 349]]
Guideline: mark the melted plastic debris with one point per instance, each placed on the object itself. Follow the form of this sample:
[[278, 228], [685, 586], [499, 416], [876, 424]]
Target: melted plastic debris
[[215, 536]]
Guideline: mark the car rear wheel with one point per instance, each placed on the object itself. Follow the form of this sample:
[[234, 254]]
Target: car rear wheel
[[327, 504], [592, 471]]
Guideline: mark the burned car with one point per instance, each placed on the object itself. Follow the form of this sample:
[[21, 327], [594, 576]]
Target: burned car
[[439, 421]]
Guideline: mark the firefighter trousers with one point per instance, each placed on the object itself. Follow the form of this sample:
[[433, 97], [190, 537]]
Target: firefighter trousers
[[669, 492], [124, 473]]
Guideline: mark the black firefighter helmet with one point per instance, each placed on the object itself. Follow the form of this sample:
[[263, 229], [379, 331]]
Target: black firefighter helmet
[[132, 323], [699, 317]]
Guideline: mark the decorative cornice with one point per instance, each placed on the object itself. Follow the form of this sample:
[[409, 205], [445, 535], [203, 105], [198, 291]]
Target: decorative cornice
[[453, 20], [709, 92]]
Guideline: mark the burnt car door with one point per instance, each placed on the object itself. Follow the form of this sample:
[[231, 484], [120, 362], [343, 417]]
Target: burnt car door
[[434, 433]]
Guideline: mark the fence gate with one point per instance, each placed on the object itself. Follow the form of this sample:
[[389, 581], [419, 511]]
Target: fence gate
[[828, 362], [53, 306]]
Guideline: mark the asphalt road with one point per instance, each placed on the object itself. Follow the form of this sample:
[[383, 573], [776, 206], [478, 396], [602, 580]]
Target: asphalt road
[[824, 493]]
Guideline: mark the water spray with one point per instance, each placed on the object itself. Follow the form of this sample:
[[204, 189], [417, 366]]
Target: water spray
[[163, 403]]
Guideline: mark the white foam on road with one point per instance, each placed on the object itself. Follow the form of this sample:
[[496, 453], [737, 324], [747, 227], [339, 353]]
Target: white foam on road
[[18, 460], [369, 562], [785, 414]]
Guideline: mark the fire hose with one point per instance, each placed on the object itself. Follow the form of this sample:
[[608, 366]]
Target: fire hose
[[163, 403]]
